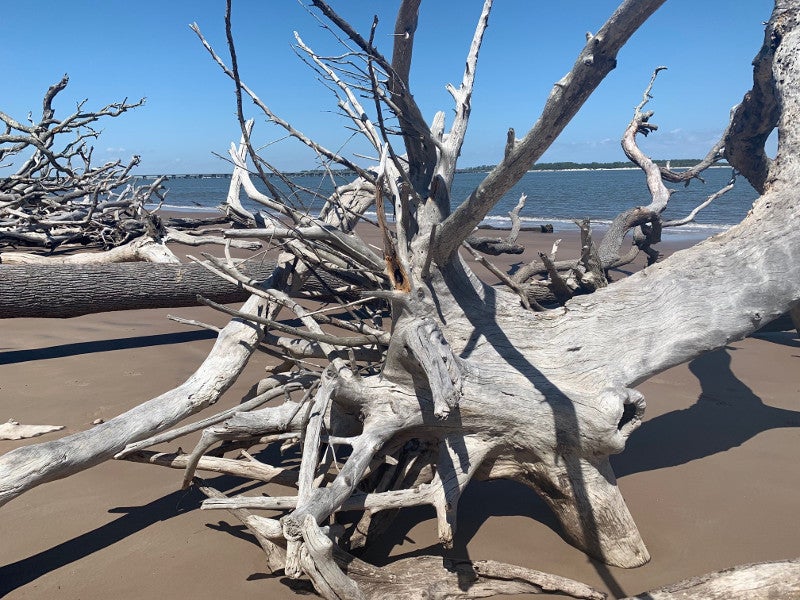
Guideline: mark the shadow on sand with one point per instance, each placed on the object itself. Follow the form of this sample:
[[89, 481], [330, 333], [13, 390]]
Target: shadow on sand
[[725, 416], [133, 519], [726, 407], [11, 357]]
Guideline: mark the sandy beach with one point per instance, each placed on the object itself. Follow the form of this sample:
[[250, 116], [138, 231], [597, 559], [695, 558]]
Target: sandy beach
[[711, 477]]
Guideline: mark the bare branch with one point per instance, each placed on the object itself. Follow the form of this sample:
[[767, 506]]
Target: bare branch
[[355, 341], [691, 216], [420, 145], [330, 155], [596, 60], [463, 95]]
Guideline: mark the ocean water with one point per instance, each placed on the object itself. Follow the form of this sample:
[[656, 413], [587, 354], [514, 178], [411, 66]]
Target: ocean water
[[553, 197]]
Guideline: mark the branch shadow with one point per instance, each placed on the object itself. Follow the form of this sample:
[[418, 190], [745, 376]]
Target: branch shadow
[[481, 500], [63, 350], [726, 415], [784, 338], [133, 520]]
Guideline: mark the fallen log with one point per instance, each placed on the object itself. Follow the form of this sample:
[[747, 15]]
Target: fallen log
[[761, 581], [62, 291], [143, 248]]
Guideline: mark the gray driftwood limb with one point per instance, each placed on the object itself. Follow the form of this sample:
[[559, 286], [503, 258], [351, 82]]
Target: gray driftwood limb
[[30, 466]]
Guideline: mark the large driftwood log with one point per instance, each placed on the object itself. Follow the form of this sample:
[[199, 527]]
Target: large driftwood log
[[759, 581], [92, 288], [543, 398], [85, 289]]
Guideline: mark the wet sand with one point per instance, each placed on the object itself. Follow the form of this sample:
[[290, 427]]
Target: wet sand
[[711, 477]]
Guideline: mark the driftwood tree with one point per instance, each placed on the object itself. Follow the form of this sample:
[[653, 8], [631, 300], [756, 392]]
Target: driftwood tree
[[436, 378], [53, 196], [54, 200]]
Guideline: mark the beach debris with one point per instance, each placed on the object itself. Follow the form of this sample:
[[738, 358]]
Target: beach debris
[[496, 245], [57, 198], [56, 195], [14, 430]]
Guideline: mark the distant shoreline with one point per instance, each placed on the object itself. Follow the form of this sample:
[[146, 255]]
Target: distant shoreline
[[687, 234], [609, 169], [557, 167]]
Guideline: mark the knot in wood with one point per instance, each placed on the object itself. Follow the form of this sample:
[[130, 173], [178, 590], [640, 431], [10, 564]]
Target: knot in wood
[[292, 530], [622, 409], [430, 328]]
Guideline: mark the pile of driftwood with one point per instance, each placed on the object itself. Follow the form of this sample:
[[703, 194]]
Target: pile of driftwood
[[55, 199], [56, 195]]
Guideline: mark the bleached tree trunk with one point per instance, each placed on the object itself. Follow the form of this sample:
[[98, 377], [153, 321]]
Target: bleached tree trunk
[[28, 291], [144, 248]]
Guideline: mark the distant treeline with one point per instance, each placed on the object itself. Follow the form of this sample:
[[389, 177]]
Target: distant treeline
[[551, 166], [563, 166]]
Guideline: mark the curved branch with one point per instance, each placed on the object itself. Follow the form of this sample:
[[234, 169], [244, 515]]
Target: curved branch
[[29, 466], [759, 581], [756, 116]]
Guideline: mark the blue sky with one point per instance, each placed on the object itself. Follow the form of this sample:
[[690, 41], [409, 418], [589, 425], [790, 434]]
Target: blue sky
[[113, 50]]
